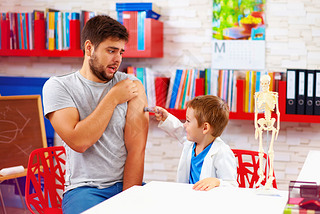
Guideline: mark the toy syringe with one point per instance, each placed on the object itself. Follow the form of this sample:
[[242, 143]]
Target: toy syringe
[[149, 109]]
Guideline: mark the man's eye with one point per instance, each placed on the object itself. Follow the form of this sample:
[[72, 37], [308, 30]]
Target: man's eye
[[111, 51]]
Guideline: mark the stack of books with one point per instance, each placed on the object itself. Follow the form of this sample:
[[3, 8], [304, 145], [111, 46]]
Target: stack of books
[[50, 29]]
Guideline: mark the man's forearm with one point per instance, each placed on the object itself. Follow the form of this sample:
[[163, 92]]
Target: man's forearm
[[133, 169]]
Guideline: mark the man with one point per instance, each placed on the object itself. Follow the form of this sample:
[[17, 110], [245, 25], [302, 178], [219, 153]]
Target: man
[[98, 113]]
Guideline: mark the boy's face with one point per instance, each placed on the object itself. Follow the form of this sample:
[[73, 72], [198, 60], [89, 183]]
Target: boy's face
[[194, 132]]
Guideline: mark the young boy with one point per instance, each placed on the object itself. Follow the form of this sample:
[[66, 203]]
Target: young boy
[[206, 161]]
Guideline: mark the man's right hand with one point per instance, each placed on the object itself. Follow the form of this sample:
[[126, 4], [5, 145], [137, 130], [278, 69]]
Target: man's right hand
[[124, 91]]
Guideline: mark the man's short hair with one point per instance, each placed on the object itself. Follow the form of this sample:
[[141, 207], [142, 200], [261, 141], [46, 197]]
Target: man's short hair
[[210, 109], [101, 27]]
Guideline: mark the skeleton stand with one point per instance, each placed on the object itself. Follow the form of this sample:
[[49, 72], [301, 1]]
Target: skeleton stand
[[266, 101]]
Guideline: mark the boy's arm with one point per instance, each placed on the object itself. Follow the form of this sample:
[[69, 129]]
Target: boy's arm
[[174, 127], [226, 168], [135, 136]]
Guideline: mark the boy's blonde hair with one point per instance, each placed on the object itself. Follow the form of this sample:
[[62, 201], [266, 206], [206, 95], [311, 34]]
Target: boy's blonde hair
[[210, 109]]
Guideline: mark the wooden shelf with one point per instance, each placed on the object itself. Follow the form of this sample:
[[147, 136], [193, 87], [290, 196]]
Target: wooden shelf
[[241, 115], [42, 53]]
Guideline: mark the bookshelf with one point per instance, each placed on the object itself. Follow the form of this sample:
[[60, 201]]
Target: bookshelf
[[241, 115], [41, 53], [153, 39]]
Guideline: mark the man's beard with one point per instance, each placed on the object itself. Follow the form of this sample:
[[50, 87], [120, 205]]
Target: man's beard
[[98, 70]]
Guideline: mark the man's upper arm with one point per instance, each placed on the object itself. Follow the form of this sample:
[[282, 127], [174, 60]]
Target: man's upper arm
[[137, 121]]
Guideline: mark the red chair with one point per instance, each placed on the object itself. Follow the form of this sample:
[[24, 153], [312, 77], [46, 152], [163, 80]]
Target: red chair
[[45, 180], [247, 169]]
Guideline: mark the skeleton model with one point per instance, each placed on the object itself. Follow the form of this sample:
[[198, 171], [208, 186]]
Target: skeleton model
[[266, 101]]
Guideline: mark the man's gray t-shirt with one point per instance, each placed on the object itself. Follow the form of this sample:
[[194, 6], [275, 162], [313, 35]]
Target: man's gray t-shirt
[[102, 164]]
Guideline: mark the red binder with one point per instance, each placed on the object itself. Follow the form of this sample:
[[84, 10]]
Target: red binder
[[199, 87], [39, 35], [5, 34], [161, 85], [153, 35], [74, 34], [130, 22], [153, 38]]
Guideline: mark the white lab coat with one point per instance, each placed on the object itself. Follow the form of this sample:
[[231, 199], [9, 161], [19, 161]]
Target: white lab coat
[[219, 162]]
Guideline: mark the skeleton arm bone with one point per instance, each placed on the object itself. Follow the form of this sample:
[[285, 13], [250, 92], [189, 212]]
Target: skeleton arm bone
[[256, 95], [278, 114]]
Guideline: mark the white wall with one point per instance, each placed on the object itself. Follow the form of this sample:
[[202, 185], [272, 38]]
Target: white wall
[[292, 41]]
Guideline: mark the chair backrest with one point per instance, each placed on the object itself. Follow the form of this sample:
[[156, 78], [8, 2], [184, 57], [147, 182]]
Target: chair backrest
[[247, 169], [45, 179]]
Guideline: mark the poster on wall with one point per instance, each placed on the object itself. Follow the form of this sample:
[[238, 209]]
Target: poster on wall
[[238, 34]]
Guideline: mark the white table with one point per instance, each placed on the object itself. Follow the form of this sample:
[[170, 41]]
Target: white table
[[311, 170], [166, 197]]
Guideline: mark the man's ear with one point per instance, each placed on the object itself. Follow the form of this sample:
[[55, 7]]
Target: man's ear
[[88, 47], [206, 128]]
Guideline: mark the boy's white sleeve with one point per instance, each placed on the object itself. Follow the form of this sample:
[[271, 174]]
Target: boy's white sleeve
[[226, 168], [174, 127]]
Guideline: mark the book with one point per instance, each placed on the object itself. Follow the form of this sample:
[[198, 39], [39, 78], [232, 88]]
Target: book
[[13, 31], [233, 106], [214, 82], [5, 34], [84, 17], [31, 30], [301, 91], [26, 25], [74, 25], [140, 30], [291, 103], [193, 83], [199, 87], [39, 34], [207, 85], [50, 30], [230, 88], [140, 75], [180, 89], [161, 87], [169, 93], [24, 31], [175, 88], [130, 22], [184, 90], [247, 92], [130, 70], [258, 76], [190, 85], [58, 30], [20, 31], [309, 91], [150, 87], [316, 110]]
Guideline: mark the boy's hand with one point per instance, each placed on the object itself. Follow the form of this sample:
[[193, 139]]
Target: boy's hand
[[160, 113], [206, 184]]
